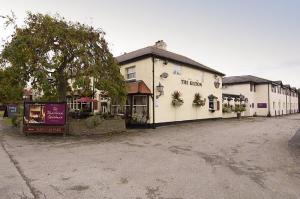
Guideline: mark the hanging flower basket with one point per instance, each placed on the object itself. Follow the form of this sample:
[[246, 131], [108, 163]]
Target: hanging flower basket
[[176, 99], [198, 101]]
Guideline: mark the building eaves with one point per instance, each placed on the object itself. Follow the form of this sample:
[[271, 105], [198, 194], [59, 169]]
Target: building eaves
[[163, 54]]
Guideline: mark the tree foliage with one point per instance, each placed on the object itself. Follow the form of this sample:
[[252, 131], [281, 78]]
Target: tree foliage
[[11, 88], [58, 57]]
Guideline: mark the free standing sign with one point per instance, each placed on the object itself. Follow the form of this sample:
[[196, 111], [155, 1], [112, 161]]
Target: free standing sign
[[43, 117], [10, 110]]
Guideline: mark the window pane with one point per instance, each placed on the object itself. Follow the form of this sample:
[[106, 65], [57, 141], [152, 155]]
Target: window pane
[[131, 76], [140, 100], [130, 73]]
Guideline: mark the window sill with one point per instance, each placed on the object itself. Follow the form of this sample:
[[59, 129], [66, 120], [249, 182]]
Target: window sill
[[131, 80]]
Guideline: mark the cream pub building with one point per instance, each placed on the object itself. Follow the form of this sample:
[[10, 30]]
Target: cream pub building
[[162, 87]]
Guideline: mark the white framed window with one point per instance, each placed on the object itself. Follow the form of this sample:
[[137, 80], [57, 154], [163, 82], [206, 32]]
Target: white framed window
[[140, 100], [252, 88], [213, 104], [177, 70], [130, 73]]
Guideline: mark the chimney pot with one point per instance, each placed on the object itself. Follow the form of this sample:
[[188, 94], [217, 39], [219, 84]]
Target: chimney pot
[[161, 45]]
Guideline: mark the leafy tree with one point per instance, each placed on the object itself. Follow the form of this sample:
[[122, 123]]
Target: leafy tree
[[55, 56], [11, 89]]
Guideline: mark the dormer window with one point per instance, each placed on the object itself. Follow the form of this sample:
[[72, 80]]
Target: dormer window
[[130, 73]]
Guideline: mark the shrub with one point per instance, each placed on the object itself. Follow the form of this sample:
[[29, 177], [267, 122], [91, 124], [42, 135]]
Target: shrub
[[93, 121], [83, 114], [226, 109], [19, 121], [239, 108], [14, 120]]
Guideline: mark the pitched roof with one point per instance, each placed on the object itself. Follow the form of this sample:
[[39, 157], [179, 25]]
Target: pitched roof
[[278, 82], [137, 87], [164, 54], [244, 79], [252, 79]]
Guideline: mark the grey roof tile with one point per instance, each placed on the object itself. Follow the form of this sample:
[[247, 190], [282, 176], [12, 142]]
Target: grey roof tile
[[160, 53], [244, 79]]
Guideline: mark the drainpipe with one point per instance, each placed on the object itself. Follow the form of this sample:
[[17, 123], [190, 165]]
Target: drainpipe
[[269, 110], [290, 102], [153, 95], [286, 103]]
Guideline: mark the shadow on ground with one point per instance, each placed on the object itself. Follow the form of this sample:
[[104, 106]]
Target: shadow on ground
[[294, 145]]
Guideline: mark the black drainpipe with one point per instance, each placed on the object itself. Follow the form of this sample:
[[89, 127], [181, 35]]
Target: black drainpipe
[[269, 108], [286, 103], [153, 96], [290, 102]]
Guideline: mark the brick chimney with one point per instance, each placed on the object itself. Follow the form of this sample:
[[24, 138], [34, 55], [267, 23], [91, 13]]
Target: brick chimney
[[161, 45]]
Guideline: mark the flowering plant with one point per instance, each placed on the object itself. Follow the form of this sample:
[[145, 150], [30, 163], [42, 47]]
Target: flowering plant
[[176, 99], [198, 101]]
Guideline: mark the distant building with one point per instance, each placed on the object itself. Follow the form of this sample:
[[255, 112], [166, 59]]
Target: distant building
[[27, 94], [264, 97]]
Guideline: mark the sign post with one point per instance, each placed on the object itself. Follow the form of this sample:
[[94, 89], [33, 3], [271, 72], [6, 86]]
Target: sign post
[[45, 117]]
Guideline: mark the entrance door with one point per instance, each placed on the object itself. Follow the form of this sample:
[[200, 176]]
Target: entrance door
[[140, 109]]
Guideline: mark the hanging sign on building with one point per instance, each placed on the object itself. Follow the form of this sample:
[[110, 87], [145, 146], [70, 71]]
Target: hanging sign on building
[[190, 82], [262, 105]]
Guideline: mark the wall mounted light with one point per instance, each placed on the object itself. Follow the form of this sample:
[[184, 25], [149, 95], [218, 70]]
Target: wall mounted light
[[160, 89]]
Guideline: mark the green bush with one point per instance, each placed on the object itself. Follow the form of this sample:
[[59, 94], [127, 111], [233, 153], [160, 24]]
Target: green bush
[[226, 108], [14, 120], [107, 116], [239, 108], [93, 121], [19, 121], [21, 110]]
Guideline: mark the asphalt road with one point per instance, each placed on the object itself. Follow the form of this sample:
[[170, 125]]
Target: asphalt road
[[228, 159]]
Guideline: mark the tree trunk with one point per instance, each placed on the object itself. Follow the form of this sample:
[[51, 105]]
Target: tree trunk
[[62, 84]]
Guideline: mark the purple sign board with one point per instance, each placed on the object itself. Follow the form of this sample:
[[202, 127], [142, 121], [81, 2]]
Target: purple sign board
[[55, 114], [45, 113], [262, 105]]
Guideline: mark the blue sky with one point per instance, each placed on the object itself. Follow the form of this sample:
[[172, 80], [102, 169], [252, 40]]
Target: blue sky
[[236, 37]]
